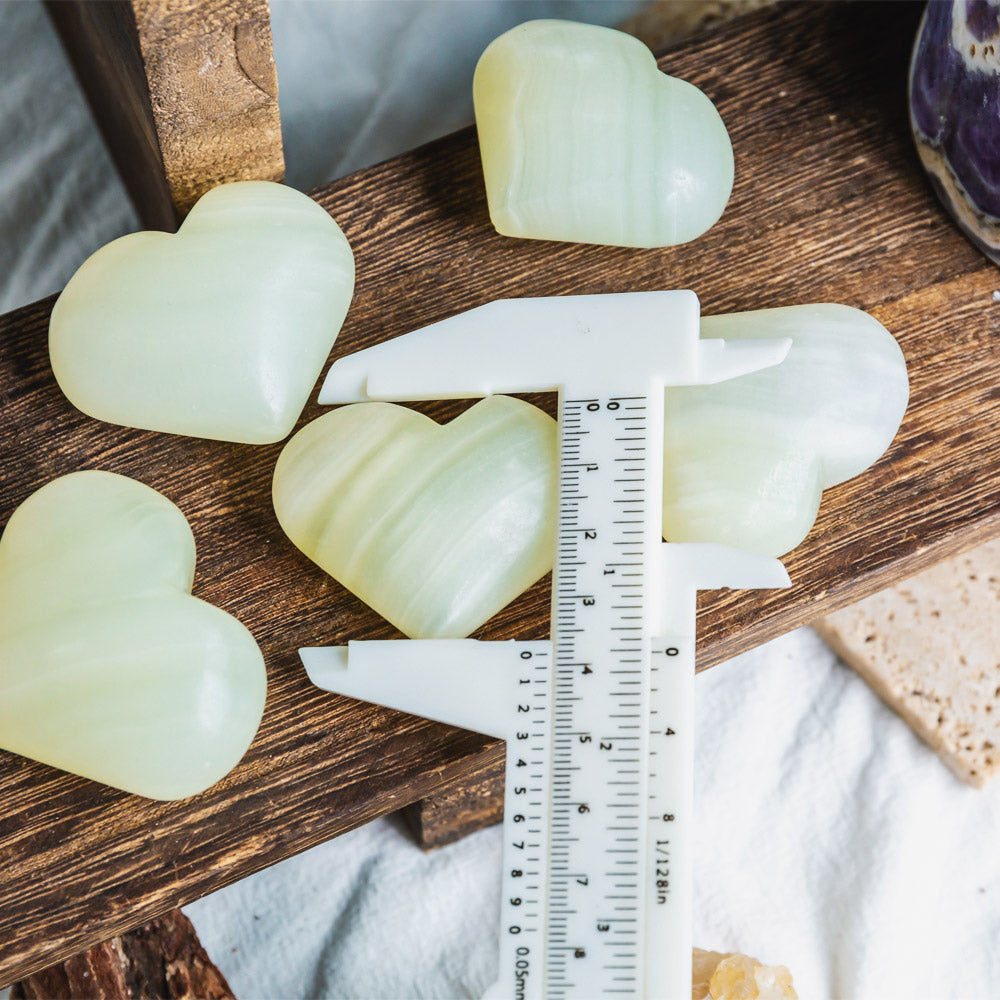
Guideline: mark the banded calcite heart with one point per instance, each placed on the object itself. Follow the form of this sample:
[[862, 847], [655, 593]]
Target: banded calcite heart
[[218, 331], [584, 139], [435, 527], [109, 668], [746, 461]]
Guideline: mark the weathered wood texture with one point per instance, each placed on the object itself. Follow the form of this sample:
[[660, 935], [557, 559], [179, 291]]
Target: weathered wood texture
[[102, 43], [162, 959], [184, 91], [829, 204], [469, 804]]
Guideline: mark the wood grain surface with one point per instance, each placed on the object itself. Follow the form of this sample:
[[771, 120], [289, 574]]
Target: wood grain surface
[[214, 91], [829, 205], [185, 93], [473, 802]]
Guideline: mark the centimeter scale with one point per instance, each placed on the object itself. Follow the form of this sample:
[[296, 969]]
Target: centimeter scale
[[596, 890]]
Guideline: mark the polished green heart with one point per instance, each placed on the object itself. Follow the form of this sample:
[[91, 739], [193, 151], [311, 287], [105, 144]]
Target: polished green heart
[[584, 139], [435, 527], [218, 331], [746, 461], [109, 668]]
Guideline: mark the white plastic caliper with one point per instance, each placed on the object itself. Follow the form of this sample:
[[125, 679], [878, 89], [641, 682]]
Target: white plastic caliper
[[596, 891]]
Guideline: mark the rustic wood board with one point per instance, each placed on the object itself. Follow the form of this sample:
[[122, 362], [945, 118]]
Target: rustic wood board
[[829, 205]]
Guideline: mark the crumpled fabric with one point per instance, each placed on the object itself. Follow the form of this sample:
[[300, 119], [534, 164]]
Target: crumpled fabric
[[829, 838], [60, 197], [359, 82]]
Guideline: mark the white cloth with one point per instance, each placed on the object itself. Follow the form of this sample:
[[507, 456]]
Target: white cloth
[[829, 838], [60, 198], [360, 81]]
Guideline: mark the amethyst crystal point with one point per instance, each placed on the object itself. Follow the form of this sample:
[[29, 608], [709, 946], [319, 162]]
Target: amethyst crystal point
[[955, 112]]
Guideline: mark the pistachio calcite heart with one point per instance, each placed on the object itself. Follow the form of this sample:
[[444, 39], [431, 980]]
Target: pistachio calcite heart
[[584, 139], [109, 668], [218, 331], [746, 461], [435, 527]]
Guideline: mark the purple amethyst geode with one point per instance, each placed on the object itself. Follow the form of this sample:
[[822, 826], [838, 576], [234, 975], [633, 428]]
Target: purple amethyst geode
[[955, 112]]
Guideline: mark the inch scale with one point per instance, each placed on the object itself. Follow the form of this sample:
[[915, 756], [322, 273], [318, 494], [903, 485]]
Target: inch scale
[[596, 884]]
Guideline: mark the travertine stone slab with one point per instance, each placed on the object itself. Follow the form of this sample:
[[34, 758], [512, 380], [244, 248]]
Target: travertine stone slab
[[930, 648]]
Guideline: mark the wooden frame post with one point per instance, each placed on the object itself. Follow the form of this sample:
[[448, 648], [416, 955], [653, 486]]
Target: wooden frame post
[[184, 91]]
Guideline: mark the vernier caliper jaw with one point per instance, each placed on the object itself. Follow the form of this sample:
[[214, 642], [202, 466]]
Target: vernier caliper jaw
[[687, 567], [395, 672], [527, 345]]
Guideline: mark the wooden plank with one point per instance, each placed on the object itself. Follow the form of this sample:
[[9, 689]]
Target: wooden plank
[[184, 91], [829, 204], [472, 803], [102, 43]]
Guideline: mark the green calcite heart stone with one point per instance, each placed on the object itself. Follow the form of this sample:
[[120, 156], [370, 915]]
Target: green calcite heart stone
[[109, 668]]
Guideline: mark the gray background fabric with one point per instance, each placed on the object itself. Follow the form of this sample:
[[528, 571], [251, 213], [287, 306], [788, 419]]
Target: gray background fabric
[[829, 838]]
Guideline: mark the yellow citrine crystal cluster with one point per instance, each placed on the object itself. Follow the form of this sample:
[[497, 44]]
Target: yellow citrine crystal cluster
[[718, 976]]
